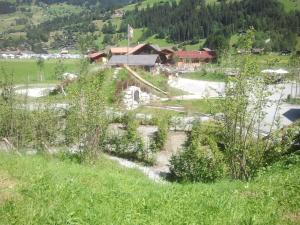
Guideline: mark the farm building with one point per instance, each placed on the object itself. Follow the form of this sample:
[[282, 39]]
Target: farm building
[[147, 62], [148, 49], [119, 51], [142, 49], [194, 58]]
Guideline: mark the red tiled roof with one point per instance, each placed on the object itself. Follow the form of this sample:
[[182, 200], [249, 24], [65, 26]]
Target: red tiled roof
[[195, 55]]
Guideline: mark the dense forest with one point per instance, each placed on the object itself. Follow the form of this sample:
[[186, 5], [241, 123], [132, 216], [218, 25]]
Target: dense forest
[[191, 20], [184, 22]]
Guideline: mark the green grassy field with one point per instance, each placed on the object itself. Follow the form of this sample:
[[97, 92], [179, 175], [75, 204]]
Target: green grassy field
[[206, 106], [42, 190], [205, 76], [27, 70]]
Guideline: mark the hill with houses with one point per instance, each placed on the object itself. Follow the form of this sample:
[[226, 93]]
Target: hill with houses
[[55, 25]]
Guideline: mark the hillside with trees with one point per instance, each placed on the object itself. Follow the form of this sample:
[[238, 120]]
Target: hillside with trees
[[191, 20], [55, 24]]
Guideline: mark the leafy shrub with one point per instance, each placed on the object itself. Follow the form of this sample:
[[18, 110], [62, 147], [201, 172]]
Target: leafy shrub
[[131, 125], [160, 136], [282, 143], [200, 160], [129, 145], [86, 122]]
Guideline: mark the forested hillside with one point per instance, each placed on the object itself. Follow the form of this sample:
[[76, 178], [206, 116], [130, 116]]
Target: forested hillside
[[51, 24], [191, 20], [55, 24]]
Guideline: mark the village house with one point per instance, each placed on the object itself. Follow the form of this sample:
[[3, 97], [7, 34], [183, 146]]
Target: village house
[[194, 58], [146, 62], [143, 49], [148, 49], [119, 51]]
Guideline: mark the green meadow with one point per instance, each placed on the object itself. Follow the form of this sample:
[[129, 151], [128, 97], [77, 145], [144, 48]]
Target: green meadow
[[47, 190], [27, 71]]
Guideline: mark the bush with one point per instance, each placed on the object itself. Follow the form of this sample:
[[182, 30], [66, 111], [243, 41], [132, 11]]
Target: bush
[[131, 125], [129, 145], [201, 160], [283, 143], [160, 136]]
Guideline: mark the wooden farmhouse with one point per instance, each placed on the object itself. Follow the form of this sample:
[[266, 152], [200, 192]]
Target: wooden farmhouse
[[119, 51], [146, 62], [142, 49], [194, 58]]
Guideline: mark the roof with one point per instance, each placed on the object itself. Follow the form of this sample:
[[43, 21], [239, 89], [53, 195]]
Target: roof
[[96, 54], [195, 55], [133, 60], [136, 48], [120, 50]]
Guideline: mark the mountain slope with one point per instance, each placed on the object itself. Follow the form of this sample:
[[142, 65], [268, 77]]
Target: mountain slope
[[192, 20], [58, 25]]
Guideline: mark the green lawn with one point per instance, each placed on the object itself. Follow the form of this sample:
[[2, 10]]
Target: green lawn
[[43, 190], [205, 76], [205, 106], [27, 70]]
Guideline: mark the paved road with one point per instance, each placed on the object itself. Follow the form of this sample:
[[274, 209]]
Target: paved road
[[286, 113]]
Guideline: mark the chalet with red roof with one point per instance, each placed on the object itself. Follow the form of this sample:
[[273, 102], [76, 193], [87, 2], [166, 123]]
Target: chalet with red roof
[[142, 49], [195, 58]]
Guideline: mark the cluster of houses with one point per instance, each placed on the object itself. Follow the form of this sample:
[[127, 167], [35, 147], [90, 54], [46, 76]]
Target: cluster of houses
[[32, 55], [147, 56]]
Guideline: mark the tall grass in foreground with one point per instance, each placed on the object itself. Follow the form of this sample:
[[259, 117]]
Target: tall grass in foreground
[[46, 190]]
